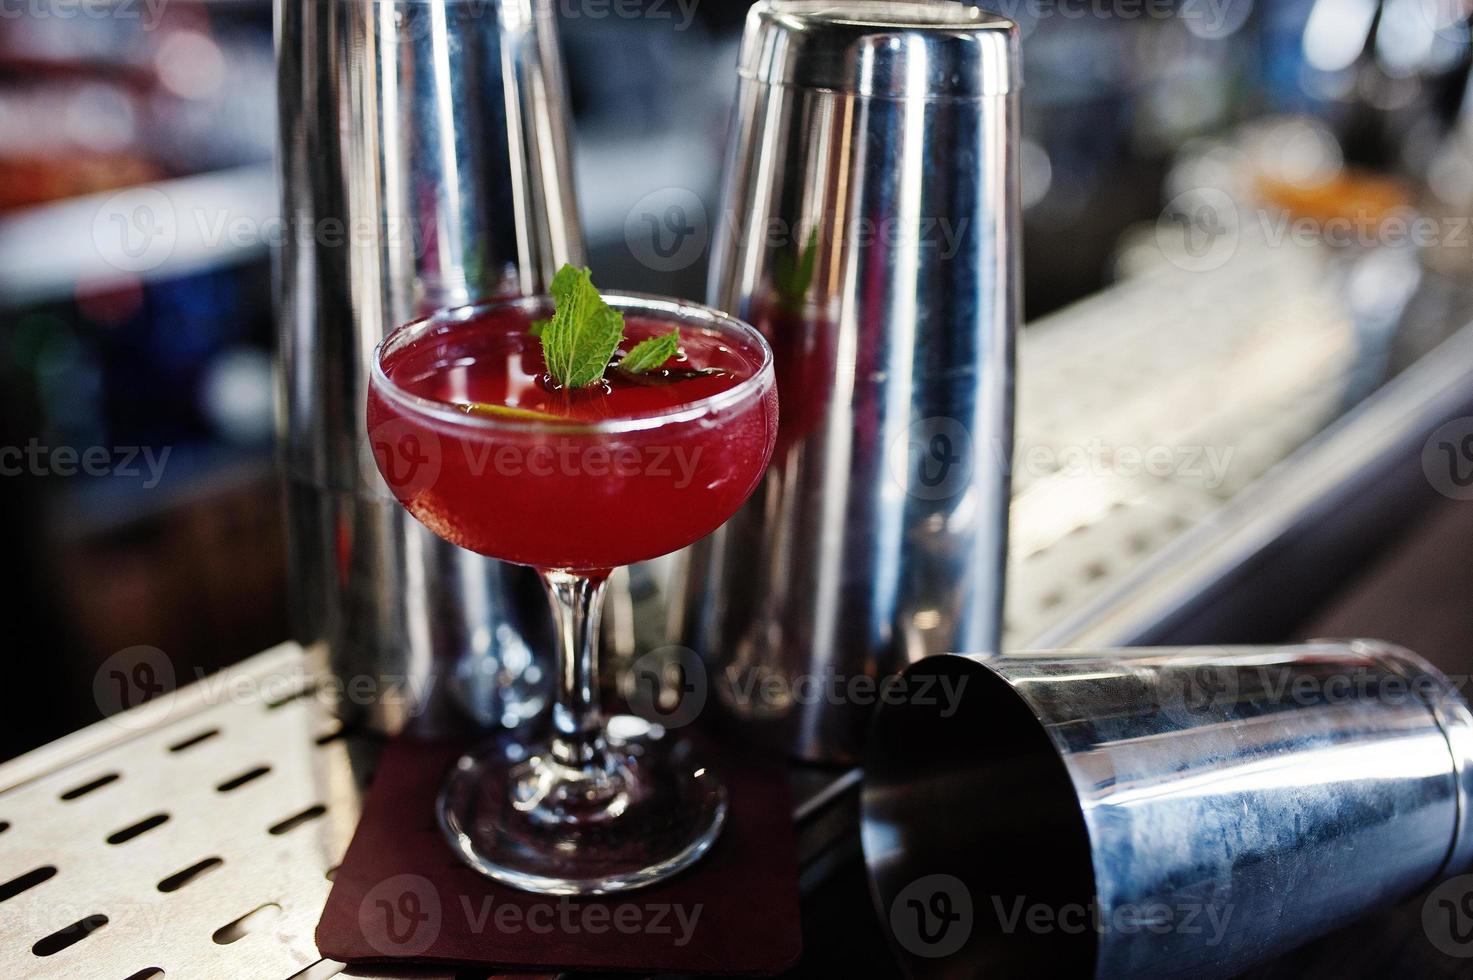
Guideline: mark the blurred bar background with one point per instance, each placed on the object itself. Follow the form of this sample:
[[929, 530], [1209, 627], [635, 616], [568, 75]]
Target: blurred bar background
[[138, 496]]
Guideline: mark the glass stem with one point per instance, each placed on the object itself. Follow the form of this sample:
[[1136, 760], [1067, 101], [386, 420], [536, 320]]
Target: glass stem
[[577, 606]]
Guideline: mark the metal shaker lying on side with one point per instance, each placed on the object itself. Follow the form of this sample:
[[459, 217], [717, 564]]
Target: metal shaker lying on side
[[1159, 813], [425, 163], [869, 227]]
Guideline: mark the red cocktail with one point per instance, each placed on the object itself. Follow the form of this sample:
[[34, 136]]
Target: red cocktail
[[589, 479], [662, 439]]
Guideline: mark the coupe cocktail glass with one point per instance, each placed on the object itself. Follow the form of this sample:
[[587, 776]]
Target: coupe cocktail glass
[[480, 447]]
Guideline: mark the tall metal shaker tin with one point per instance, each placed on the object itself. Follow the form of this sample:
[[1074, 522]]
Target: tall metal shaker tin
[[869, 227], [425, 162]]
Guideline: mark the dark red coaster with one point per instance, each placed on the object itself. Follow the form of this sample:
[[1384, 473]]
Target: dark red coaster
[[402, 895]]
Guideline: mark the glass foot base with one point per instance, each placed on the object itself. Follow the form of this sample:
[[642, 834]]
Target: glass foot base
[[644, 808]]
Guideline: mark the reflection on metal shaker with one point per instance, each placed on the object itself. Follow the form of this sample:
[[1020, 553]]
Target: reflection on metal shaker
[[1169, 812], [425, 163], [869, 228]]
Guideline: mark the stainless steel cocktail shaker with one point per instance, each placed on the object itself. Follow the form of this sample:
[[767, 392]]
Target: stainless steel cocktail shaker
[[1159, 813], [425, 163], [869, 228]]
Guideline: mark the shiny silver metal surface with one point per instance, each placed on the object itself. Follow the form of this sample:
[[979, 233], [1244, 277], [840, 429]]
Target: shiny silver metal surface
[[1159, 813], [890, 48], [869, 228], [425, 163]]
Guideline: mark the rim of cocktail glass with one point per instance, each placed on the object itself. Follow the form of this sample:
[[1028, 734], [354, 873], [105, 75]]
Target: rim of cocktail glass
[[638, 304]]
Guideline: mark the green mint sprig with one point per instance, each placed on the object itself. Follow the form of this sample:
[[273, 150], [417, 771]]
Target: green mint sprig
[[584, 332], [793, 273], [648, 355]]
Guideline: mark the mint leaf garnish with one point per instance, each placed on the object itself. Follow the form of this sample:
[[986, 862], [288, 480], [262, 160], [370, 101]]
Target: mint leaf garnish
[[650, 354], [793, 272], [584, 331], [563, 280], [566, 278]]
